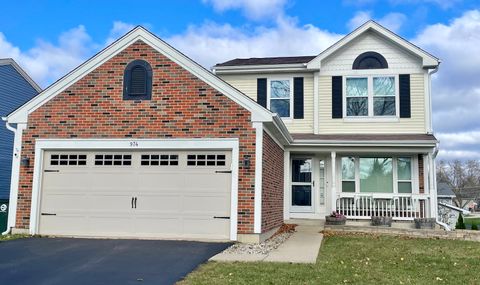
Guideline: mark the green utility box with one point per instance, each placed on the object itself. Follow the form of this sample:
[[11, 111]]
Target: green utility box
[[3, 215]]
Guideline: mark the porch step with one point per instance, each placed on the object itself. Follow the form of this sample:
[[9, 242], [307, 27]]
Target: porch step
[[306, 222]]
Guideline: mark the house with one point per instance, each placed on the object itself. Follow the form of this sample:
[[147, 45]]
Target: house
[[445, 193], [141, 141], [16, 87]]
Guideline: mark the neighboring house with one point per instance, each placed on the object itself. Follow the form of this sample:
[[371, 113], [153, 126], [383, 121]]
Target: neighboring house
[[141, 141], [445, 193], [446, 214], [16, 88]]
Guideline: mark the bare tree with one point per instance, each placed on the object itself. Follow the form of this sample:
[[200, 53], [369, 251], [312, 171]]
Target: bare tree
[[463, 177]]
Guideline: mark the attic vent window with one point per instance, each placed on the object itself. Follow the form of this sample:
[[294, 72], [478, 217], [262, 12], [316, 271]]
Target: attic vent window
[[137, 81], [370, 60]]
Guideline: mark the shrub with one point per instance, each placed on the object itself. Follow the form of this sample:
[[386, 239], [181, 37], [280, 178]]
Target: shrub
[[474, 227], [460, 224]]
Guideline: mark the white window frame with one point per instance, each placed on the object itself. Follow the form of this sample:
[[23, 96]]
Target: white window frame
[[290, 79], [414, 174], [370, 115]]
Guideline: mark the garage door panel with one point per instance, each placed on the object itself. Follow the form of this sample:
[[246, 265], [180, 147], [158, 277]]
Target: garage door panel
[[177, 194], [207, 203]]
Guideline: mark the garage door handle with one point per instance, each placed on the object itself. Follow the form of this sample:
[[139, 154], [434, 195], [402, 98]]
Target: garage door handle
[[223, 171], [51, 170], [220, 217], [132, 202], [48, 214], [135, 202]]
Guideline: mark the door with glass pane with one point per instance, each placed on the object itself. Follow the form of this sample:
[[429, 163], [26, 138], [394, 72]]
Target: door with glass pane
[[302, 185]]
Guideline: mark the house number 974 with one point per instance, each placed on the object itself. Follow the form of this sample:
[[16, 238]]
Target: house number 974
[[133, 144]]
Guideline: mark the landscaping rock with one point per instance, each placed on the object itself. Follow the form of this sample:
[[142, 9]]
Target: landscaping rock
[[425, 223], [260, 248], [382, 221]]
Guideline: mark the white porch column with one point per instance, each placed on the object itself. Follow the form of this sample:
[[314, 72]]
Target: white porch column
[[432, 188], [333, 191]]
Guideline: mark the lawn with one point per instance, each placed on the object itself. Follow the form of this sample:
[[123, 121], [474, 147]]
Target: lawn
[[359, 259], [12, 237]]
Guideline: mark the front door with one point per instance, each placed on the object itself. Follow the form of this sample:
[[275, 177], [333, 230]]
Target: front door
[[302, 186]]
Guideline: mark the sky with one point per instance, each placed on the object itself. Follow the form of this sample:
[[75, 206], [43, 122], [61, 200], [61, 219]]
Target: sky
[[50, 38]]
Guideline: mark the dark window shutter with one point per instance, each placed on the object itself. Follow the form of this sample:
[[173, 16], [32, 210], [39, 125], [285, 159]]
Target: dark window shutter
[[337, 100], [298, 98], [262, 91], [138, 81], [404, 90]]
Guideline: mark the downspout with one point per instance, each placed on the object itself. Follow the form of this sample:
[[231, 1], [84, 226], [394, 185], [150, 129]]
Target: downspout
[[440, 223], [14, 130]]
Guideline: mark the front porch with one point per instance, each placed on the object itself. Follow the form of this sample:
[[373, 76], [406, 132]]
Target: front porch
[[359, 183]]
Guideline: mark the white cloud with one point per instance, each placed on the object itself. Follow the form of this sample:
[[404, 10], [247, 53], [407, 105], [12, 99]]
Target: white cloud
[[212, 43], [392, 21], [456, 86], [46, 62], [444, 4], [252, 9], [119, 29]]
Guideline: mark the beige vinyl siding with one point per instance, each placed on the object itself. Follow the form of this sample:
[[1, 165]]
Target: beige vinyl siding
[[415, 124], [248, 85], [398, 59]]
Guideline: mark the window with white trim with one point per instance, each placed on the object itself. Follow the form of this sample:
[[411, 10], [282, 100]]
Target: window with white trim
[[280, 97], [371, 96], [68, 159], [404, 174], [377, 174], [159, 159], [113, 159]]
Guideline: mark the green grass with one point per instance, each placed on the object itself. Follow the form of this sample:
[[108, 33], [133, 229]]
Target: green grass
[[359, 259], [12, 237]]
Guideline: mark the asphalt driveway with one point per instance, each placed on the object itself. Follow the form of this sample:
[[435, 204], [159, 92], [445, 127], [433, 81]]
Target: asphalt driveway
[[99, 261]]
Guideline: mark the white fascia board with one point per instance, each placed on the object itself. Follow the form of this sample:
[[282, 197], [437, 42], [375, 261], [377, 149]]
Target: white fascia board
[[258, 112], [412, 143], [428, 60], [302, 67]]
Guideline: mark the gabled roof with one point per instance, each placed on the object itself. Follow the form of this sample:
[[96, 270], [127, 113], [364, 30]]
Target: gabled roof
[[444, 190], [428, 60], [267, 60], [139, 33], [10, 61]]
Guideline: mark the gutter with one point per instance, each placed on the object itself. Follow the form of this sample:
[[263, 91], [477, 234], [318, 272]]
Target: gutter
[[14, 130], [430, 73]]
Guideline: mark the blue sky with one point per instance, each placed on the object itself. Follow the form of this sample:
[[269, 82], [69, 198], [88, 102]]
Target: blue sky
[[49, 38]]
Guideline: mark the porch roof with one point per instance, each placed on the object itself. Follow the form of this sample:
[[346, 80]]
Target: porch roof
[[373, 139]]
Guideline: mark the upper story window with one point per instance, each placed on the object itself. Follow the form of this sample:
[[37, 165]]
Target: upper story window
[[371, 96], [280, 94], [137, 81], [370, 60]]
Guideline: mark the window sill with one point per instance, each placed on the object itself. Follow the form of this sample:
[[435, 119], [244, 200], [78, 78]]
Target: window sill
[[371, 120]]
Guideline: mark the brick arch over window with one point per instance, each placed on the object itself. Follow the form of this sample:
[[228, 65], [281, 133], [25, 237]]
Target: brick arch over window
[[370, 60], [137, 81]]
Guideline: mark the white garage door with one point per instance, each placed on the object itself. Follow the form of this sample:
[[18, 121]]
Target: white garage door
[[164, 194]]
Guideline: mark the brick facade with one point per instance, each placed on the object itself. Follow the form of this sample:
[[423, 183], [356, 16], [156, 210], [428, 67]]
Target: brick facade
[[272, 184], [182, 106]]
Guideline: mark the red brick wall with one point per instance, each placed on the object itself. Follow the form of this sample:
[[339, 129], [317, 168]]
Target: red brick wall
[[421, 180], [272, 184], [182, 106]]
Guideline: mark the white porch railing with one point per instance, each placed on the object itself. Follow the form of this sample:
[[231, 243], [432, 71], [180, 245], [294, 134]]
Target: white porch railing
[[398, 206]]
